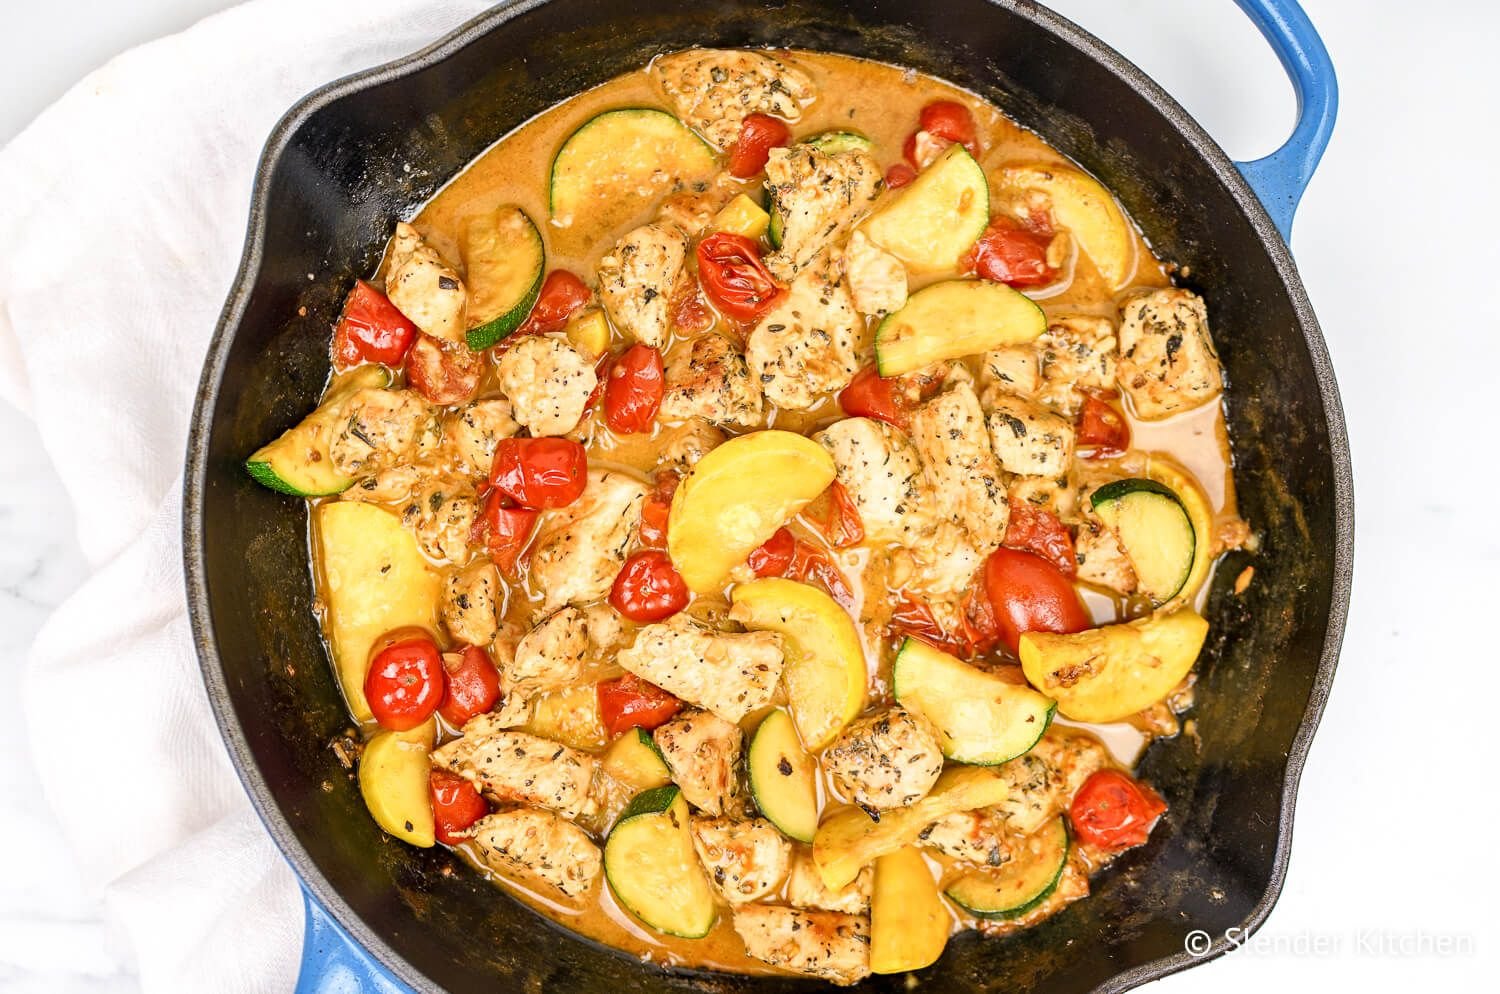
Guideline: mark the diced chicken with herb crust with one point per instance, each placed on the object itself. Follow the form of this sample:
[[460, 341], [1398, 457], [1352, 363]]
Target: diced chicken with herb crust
[[1101, 561], [1014, 369], [726, 673], [511, 767], [550, 656], [709, 378], [638, 278], [441, 512], [805, 888], [804, 345], [539, 845], [886, 760], [949, 435], [1077, 355], [971, 836], [877, 280], [548, 382], [683, 446], [1167, 360], [471, 604], [580, 548], [826, 944], [1028, 439], [819, 197], [745, 860], [701, 751], [714, 90], [379, 429], [471, 433], [883, 475], [424, 287]]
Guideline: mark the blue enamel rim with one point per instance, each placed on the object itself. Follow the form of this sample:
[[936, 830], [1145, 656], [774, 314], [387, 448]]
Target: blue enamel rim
[[333, 962]]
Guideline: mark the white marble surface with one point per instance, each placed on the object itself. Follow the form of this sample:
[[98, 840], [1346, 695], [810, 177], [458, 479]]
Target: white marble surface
[[1387, 241]]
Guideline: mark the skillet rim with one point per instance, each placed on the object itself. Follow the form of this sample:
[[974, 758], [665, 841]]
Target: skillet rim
[[197, 464]]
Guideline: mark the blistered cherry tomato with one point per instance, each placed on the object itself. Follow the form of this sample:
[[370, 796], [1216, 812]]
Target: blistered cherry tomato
[[473, 685], [774, 555], [1102, 429], [505, 529], [1036, 530], [843, 526], [443, 372], [1115, 811], [758, 135], [540, 472], [456, 805], [655, 511], [649, 588], [371, 329], [734, 278], [633, 390], [404, 684], [870, 395], [1010, 254], [812, 563], [561, 295], [1029, 594], [630, 702], [899, 175]]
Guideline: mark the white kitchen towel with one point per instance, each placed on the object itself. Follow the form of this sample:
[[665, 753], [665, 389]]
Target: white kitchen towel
[[122, 215]]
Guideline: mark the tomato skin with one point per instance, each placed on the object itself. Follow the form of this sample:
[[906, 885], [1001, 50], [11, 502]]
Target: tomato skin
[[443, 372], [456, 805], [1029, 594], [371, 329], [1114, 811], [735, 279], [540, 473], [758, 135], [870, 395], [1102, 429], [473, 685], [405, 683], [843, 526], [561, 295], [648, 587], [633, 390], [630, 702], [811, 563], [1039, 531], [774, 555], [899, 175], [690, 314], [951, 121], [505, 530], [656, 510], [1010, 254]]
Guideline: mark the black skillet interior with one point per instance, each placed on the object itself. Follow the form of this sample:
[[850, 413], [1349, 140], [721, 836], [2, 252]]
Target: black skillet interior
[[355, 163]]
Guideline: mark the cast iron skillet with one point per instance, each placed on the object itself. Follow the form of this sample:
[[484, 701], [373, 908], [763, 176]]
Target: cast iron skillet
[[363, 151]]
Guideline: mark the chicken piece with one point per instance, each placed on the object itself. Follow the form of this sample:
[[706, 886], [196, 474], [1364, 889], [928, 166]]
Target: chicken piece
[[804, 345], [684, 446], [580, 548], [511, 767], [941, 569], [379, 429], [539, 845], [548, 383], [805, 888], [744, 859], [974, 836], [424, 287], [728, 674], [1028, 439], [714, 90], [471, 604], [877, 280], [819, 197], [693, 210], [1101, 561], [605, 627], [1058, 495], [708, 378], [1167, 359], [444, 372], [886, 760], [883, 475], [1077, 354], [638, 277], [826, 944], [441, 512], [1046, 778], [471, 433], [550, 656], [948, 432], [701, 750], [1015, 369]]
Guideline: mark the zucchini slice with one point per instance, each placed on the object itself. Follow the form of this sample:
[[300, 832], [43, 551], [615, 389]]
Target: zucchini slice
[[981, 719], [503, 262], [636, 762], [783, 777], [931, 223], [953, 319], [835, 141], [1154, 530], [620, 159], [297, 463], [651, 866], [1021, 884]]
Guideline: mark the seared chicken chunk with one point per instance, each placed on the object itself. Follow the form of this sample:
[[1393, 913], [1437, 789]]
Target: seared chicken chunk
[[444, 372], [708, 378], [580, 548], [471, 609], [886, 760], [943, 566], [805, 888], [638, 277], [883, 475], [1058, 494], [471, 433], [1101, 560], [728, 674], [973, 836], [424, 287], [949, 434], [548, 383], [877, 280], [693, 210], [804, 345], [441, 513], [1167, 360], [550, 656], [1077, 354], [539, 845], [512, 767], [1013, 369], [1046, 778], [605, 628], [826, 944], [744, 859], [701, 750], [1028, 439], [379, 429], [714, 90], [682, 447], [819, 197]]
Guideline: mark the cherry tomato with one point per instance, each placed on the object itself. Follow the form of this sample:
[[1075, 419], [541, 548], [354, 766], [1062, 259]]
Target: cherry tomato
[[913, 616], [690, 315], [649, 588], [456, 805], [655, 511], [842, 526], [443, 372], [404, 684], [505, 530], [758, 135], [1029, 594], [950, 121], [870, 395], [630, 702], [473, 685], [562, 293], [811, 563], [899, 175], [734, 278], [1010, 254], [1102, 429], [371, 329], [1040, 532], [633, 390], [1115, 811], [774, 555], [540, 472]]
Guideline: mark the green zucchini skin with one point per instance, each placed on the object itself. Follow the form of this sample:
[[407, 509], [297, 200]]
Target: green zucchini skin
[[1155, 531], [652, 868], [283, 465], [952, 319], [774, 758], [1020, 885], [656, 139], [505, 261], [834, 142]]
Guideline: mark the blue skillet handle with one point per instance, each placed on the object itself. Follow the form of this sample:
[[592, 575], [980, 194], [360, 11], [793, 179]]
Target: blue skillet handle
[[333, 963], [1279, 179]]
